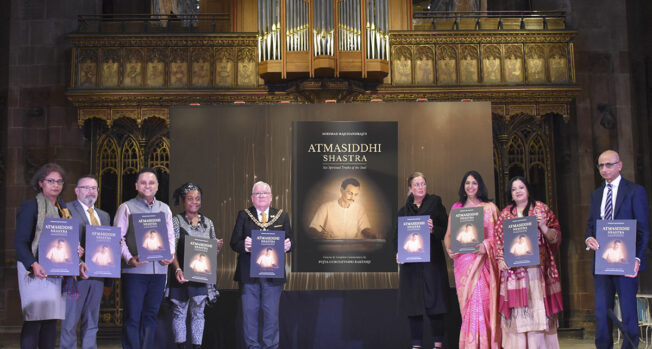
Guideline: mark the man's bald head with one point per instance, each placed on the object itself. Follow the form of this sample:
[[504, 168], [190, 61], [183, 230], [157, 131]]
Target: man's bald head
[[609, 165]]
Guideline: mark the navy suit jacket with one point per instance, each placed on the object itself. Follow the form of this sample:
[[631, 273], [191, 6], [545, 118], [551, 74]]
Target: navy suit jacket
[[25, 226], [631, 203], [243, 227]]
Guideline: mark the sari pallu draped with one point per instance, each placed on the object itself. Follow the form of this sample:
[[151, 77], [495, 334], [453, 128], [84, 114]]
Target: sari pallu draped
[[477, 283], [514, 281]]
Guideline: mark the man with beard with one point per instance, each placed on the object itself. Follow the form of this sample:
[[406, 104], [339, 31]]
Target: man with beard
[[87, 306]]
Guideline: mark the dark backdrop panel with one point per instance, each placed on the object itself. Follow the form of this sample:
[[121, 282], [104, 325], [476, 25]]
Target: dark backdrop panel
[[225, 149]]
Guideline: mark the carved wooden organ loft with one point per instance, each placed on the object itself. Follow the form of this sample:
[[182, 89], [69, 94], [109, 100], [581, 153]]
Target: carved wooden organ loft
[[323, 38]]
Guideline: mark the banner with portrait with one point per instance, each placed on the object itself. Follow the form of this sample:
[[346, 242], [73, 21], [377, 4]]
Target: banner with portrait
[[344, 185]]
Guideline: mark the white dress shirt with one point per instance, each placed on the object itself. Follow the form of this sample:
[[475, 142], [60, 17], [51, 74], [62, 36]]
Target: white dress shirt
[[88, 215], [614, 192]]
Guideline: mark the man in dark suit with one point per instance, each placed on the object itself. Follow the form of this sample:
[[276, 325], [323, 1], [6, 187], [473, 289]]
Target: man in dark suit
[[87, 306], [617, 199], [257, 293]]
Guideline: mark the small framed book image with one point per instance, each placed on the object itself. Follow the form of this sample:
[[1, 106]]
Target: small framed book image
[[617, 252], [200, 259], [467, 229], [413, 239], [103, 251], [521, 241], [151, 236], [57, 246], [267, 254]]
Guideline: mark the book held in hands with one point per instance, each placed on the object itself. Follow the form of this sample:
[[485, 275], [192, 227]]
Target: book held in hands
[[151, 236], [102, 251], [413, 239], [617, 252], [267, 254], [467, 229], [521, 241], [57, 246], [200, 259]]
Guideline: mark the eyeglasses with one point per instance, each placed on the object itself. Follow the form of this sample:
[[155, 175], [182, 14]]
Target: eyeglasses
[[260, 195], [419, 185], [53, 181], [607, 165], [85, 187]]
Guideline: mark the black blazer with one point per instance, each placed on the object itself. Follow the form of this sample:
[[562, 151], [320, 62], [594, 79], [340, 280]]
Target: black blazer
[[631, 203], [423, 287], [243, 227]]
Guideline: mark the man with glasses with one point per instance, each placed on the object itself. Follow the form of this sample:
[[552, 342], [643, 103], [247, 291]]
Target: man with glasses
[[87, 306], [343, 218], [257, 293], [618, 198]]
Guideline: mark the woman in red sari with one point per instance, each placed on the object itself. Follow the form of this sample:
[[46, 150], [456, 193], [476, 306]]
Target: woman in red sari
[[476, 274], [530, 297]]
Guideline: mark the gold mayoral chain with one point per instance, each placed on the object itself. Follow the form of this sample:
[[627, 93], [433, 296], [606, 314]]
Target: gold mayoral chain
[[265, 225]]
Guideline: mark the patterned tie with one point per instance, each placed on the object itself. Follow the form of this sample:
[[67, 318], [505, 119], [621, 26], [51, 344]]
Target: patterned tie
[[93, 219], [263, 217], [608, 206]]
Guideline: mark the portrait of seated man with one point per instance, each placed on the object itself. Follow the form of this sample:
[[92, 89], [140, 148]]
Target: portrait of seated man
[[103, 256], [413, 243], [152, 240], [615, 252], [521, 246], [201, 264], [344, 218], [467, 234], [267, 258], [59, 253]]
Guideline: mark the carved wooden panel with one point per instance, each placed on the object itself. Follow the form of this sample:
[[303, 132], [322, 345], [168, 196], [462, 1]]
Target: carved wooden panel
[[178, 76], [446, 65], [424, 66], [469, 59], [402, 65], [491, 64]]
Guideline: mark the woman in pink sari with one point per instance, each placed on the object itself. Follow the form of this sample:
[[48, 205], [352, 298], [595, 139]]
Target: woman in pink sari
[[530, 297], [476, 274]]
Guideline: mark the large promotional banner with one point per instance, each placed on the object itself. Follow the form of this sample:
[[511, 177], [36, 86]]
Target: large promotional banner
[[344, 196]]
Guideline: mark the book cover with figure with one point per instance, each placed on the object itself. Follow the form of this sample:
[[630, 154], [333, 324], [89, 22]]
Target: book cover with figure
[[57, 247], [267, 254], [344, 198], [102, 248], [413, 239], [521, 238], [467, 229], [151, 236], [200, 259], [617, 252]]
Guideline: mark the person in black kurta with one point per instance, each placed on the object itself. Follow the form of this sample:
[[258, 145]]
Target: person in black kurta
[[423, 287]]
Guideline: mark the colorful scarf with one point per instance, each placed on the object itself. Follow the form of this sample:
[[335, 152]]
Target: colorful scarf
[[513, 282], [45, 209]]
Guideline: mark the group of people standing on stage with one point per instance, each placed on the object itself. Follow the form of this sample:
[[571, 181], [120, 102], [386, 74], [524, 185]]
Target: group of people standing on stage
[[504, 307], [500, 306]]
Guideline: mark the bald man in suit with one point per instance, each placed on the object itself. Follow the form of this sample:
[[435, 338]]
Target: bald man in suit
[[617, 198]]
